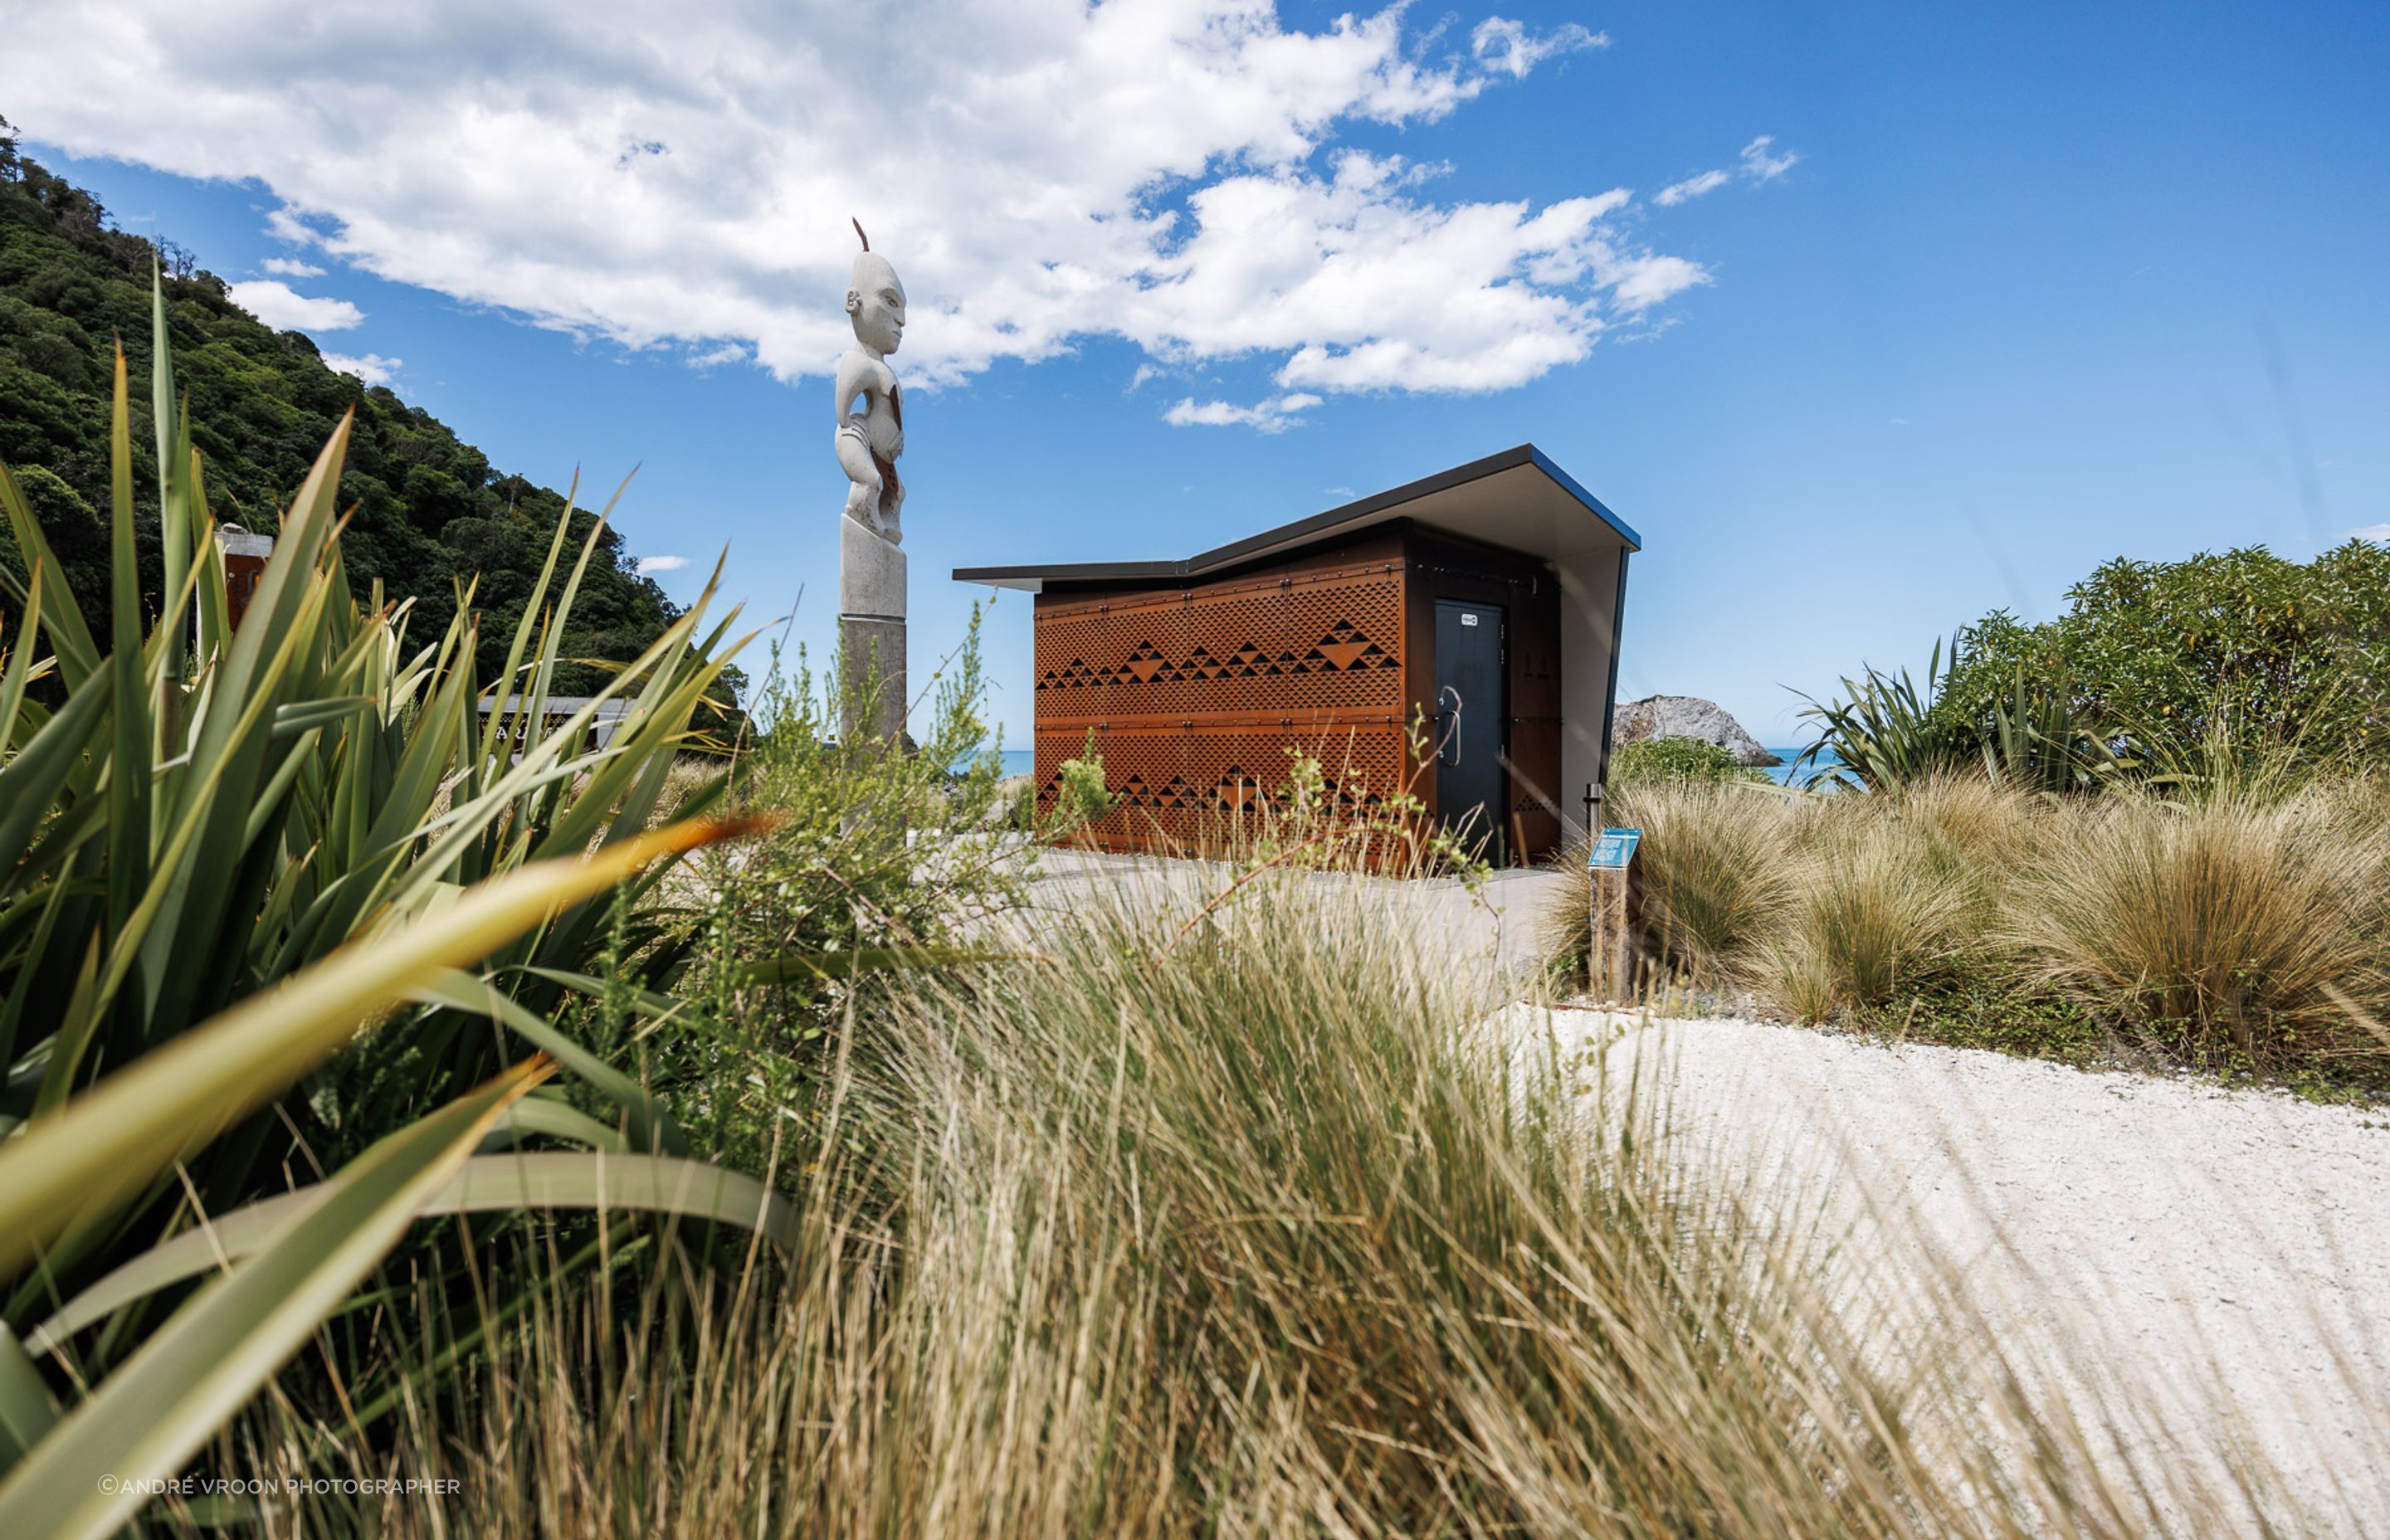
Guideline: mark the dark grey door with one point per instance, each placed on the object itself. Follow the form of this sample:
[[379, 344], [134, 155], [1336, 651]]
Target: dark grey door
[[1471, 715]]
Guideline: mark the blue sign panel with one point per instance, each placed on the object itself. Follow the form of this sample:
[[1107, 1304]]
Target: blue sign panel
[[1614, 849]]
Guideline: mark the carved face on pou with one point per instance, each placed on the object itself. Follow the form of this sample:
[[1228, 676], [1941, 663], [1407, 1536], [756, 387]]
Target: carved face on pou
[[875, 301]]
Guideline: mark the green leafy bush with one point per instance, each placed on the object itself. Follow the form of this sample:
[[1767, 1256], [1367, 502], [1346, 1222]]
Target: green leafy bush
[[2181, 671], [2162, 653], [1653, 760], [877, 860]]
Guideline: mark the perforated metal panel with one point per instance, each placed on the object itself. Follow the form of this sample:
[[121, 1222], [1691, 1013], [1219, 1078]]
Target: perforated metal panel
[[1195, 696]]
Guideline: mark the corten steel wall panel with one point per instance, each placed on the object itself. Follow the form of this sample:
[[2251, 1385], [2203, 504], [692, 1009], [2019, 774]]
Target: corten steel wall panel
[[1441, 567], [1193, 695]]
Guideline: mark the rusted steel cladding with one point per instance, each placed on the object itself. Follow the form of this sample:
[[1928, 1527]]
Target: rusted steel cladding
[[1194, 697]]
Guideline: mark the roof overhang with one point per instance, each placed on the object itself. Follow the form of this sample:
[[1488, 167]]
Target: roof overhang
[[1518, 499]]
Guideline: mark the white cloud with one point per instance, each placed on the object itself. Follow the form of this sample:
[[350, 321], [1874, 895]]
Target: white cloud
[[371, 368], [728, 353], [1507, 45], [650, 565], [275, 303], [1275, 416], [1165, 172], [1754, 165], [1643, 282], [291, 267], [1691, 186], [1760, 166], [2378, 533]]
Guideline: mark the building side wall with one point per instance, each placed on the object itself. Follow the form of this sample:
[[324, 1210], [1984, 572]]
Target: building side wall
[[1592, 614], [1194, 696]]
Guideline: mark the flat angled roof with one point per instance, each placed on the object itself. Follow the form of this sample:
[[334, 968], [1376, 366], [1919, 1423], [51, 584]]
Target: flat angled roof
[[1546, 519]]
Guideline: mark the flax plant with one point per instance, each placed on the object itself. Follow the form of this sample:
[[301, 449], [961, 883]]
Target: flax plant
[[222, 861]]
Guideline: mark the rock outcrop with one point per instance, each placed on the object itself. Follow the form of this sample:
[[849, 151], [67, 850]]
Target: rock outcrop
[[1686, 716]]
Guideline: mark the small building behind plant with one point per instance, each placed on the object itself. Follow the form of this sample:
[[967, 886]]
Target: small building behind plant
[[1477, 610]]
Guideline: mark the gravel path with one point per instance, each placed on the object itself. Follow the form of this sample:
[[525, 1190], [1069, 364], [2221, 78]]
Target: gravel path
[[2223, 1256], [2228, 1251]]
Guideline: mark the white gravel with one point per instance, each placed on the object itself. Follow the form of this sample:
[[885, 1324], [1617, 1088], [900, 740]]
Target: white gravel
[[2224, 1253], [2219, 1259]]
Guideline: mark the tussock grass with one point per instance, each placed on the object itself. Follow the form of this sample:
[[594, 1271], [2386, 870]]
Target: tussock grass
[[1251, 1234], [1714, 879], [2212, 918], [2220, 927]]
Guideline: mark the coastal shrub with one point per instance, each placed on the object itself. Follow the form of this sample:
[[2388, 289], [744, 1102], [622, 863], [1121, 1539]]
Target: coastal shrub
[[2168, 672], [1664, 760], [2165, 653], [877, 859], [2220, 927]]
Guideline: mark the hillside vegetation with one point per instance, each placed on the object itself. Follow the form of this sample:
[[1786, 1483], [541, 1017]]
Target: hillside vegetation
[[430, 510]]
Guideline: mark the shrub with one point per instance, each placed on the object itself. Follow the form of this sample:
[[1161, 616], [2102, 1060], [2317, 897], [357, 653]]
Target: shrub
[[878, 858], [1665, 760], [2274, 652]]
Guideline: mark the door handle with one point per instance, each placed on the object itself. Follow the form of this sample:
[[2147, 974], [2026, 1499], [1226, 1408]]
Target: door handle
[[1449, 737]]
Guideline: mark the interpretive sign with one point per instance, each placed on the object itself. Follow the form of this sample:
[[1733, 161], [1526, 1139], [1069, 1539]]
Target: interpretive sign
[[1614, 849]]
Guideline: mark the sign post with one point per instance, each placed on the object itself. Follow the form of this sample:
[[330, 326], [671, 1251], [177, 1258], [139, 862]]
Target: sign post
[[1608, 866]]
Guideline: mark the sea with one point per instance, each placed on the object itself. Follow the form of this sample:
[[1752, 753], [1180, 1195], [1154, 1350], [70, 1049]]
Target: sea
[[1020, 761]]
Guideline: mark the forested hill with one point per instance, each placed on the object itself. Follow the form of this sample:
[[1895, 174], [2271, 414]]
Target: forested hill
[[430, 509]]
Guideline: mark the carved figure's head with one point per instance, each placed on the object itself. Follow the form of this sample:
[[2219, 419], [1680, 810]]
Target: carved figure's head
[[875, 301]]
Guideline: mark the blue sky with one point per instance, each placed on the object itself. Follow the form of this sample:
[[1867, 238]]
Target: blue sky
[[2003, 295]]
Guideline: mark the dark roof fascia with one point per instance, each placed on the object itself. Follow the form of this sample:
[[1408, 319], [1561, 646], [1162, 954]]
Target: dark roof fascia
[[1317, 525]]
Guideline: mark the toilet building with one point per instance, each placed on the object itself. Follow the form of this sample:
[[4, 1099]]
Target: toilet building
[[1483, 602]]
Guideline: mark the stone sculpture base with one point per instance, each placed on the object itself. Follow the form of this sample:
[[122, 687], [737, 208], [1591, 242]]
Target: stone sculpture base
[[870, 634]]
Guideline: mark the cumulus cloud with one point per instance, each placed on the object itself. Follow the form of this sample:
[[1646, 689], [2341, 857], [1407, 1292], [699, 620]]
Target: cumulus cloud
[[371, 368], [650, 565], [283, 308], [291, 267], [1275, 416], [1754, 165], [2378, 533], [1165, 172]]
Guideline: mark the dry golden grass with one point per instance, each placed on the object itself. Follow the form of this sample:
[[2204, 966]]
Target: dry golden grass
[[1715, 874], [1245, 1234], [2221, 926], [2213, 921]]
